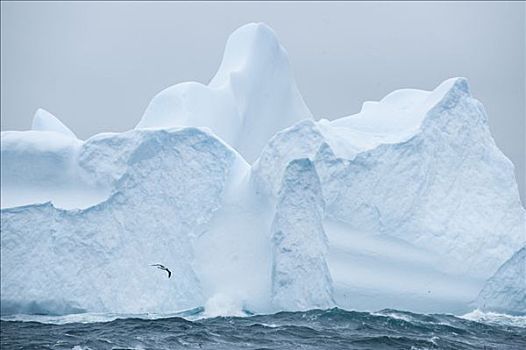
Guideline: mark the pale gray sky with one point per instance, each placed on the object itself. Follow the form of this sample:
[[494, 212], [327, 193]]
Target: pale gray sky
[[97, 65]]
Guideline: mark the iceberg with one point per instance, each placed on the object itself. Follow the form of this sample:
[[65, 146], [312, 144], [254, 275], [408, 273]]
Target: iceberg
[[505, 291], [257, 207]]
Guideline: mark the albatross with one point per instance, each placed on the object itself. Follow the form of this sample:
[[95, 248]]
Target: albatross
[[162, 267]]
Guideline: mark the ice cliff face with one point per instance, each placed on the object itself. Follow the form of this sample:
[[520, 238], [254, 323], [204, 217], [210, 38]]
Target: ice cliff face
[[98, 259], [251, 97], [439, 183], [505, 291], [407, 204], [300, 277]]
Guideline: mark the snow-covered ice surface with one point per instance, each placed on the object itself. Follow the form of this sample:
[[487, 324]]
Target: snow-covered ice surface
[[45, 164], [45, 121], [257, 207], [252, 96]]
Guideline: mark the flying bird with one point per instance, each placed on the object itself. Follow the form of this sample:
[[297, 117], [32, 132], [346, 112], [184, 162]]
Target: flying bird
[[162, 267]]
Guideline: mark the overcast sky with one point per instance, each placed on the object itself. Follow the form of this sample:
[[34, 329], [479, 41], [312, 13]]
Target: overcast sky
[[97, 65]]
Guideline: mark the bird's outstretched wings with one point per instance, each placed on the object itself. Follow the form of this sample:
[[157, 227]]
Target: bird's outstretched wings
[[162, 267]]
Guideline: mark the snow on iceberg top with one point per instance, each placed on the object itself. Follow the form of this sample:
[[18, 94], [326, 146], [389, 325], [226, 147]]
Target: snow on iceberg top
[[252, 96], [395, 118], [45, 121], [46, 166], [250, 48]]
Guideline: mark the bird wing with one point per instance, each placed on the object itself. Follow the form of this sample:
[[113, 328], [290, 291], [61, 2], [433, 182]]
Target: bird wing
[[162, 267]]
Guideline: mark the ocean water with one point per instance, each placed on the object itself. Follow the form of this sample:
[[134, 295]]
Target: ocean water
[[315, 329]]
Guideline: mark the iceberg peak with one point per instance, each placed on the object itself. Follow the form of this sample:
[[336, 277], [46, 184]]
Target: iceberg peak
[[252, 45], [449, 93], [45, 121], [252, 96]]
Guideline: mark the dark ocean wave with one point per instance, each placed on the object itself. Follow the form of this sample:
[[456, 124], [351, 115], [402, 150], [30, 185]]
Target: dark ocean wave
[[315, 329]]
